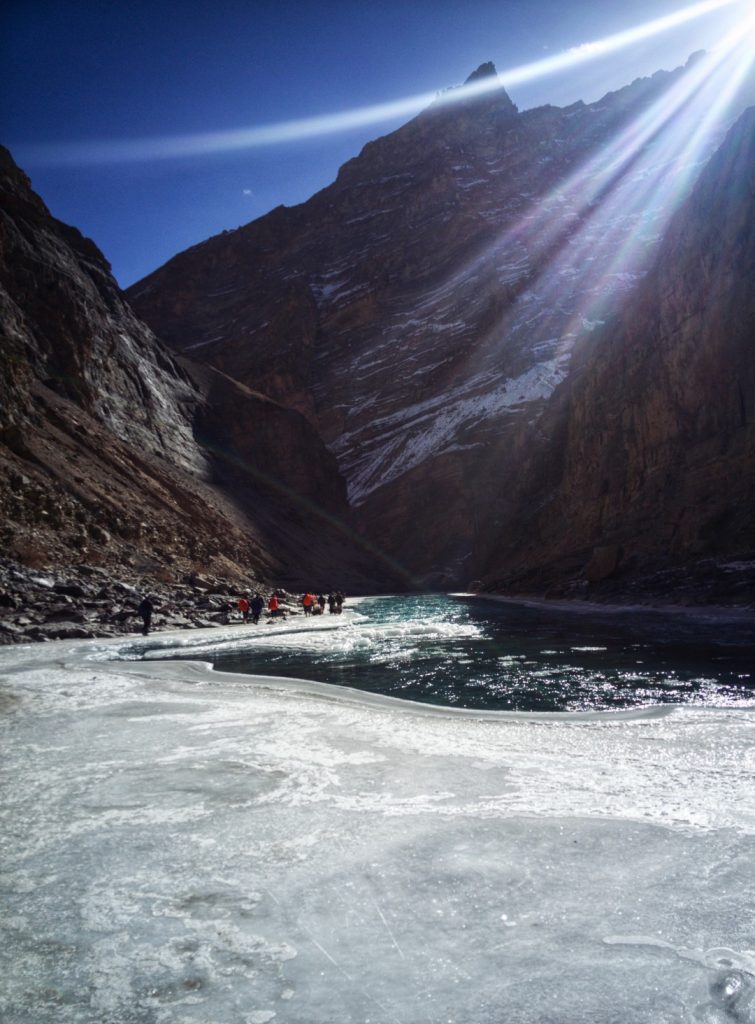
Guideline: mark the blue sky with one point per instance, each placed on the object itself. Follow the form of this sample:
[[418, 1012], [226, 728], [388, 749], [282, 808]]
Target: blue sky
[[81, 70]]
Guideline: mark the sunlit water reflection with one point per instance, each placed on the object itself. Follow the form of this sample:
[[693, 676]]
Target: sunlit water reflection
[[476, 653]]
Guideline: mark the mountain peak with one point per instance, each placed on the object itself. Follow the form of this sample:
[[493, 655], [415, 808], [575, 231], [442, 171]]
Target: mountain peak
[[487, 70], [485, 81]]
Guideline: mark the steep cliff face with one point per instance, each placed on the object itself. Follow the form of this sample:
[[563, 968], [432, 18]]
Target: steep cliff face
[[651, 460], [422, 310], [112, 452], [67, 326]]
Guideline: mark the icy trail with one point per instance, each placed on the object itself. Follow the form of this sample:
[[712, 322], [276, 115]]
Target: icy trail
[[185, 846]]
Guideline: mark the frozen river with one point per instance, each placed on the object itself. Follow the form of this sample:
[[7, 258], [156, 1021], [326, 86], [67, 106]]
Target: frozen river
[[190, 846]]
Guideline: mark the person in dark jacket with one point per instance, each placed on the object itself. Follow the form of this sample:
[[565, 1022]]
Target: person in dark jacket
[[145, 609], [255, 607]]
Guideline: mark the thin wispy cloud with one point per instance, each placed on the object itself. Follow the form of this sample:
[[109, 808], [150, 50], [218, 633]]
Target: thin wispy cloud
[[205, 143]]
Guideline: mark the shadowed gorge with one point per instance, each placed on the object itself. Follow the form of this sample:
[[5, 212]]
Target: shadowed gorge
[[113, 453]]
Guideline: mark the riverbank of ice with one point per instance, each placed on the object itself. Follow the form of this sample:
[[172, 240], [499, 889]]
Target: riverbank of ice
[[186, 846]]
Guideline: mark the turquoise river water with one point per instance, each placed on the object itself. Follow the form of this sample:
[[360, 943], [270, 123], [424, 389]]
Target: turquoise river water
[[476, 653]]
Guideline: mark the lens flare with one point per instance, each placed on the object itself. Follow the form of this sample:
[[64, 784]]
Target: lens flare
[[610, 44], [646, 172], [628, 171], [204, 143]]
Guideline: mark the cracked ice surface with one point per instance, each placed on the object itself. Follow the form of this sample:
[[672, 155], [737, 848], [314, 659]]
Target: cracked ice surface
[[185, 846]]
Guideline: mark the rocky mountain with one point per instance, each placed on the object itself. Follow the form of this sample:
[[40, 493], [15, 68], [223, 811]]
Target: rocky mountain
[[648, 477], [422, 311], [114, 454]]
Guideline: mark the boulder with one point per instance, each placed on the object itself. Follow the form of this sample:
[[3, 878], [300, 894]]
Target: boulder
[[69, 589], [66, 631], [65, 615]]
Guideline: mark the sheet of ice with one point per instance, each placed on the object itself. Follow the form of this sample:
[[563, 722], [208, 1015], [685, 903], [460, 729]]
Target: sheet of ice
[[185, 846]]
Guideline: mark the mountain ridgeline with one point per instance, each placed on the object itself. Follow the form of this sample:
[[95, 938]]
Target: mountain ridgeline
[[509, 348]]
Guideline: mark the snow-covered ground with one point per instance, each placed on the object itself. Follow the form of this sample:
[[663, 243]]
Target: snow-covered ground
[[180, 845]]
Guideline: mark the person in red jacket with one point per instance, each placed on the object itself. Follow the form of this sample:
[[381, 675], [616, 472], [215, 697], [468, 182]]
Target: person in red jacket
[[244, 608]]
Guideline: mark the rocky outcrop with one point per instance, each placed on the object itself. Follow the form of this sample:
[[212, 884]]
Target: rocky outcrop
[[272, 462], [422, 310], [89, 601], [114, 454], [648, 482], [274, 448], [68, 329]]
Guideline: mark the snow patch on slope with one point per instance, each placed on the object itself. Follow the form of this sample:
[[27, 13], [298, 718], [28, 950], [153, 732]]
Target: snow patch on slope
[[432, 427]]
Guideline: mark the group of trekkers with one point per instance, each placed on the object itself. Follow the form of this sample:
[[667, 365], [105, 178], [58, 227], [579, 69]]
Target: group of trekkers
[[251, 608], [316, 605]]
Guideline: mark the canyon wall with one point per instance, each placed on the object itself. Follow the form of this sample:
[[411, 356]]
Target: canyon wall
[[111, 452], [649, 473]]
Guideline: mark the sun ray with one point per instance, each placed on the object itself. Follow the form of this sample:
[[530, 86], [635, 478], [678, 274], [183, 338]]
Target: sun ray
[[591, 235], [611, 247]]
